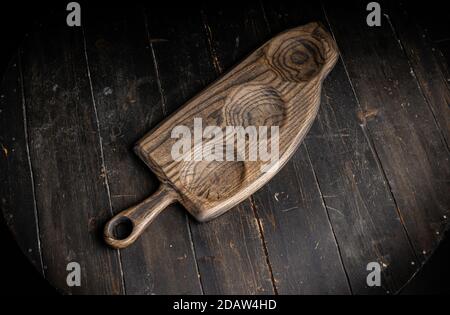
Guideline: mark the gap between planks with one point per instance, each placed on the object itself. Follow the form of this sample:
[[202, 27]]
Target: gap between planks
[[102, 155], [316, 181], [419, 86], [263, 243], [164, 110], [30, 166], [370, 141], [219, 70], [322, 198]]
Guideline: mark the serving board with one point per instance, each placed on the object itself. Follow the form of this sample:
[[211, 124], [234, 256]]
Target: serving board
[[278, 85]]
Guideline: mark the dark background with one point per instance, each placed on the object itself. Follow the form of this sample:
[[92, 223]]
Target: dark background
[[18, 275]]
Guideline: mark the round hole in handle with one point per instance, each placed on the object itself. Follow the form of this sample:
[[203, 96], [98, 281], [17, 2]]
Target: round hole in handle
[[126, 227], [121, 228]]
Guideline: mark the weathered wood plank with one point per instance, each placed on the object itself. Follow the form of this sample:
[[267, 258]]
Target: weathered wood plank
[[16, 190], [229, 250], [425, 67], [71, 196], [399, 122], [433, 25], [302, 248], [129, 104], [443, 57], [300, 243], [432, 17], [360, 207]]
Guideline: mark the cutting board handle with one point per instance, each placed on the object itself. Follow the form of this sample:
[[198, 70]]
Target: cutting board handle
[[133, 221]]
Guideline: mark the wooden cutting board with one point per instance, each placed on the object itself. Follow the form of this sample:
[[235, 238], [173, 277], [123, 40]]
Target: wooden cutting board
[[278, 85]]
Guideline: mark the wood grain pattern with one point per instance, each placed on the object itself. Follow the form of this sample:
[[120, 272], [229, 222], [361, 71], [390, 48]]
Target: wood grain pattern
[[289, 209], [71, 196], [290, 68], [17, 188], [422, 56], [354, 193], [340, 202], [129, 103], [229, 252], [401, 125]]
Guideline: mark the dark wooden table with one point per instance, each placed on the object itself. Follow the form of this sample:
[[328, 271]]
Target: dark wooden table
[[369, 184]]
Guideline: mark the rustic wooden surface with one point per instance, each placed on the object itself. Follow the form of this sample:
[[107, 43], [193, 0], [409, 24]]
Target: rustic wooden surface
[[369, 183]]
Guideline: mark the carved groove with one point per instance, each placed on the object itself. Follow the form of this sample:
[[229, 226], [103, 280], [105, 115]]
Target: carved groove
[[254, 105], [207, 180]]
